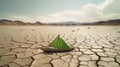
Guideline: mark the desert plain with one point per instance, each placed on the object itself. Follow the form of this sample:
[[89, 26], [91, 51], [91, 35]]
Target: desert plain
[[94, 46]]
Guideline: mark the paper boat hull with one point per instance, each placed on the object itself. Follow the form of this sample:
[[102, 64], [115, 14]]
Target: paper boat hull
[[55, 50]]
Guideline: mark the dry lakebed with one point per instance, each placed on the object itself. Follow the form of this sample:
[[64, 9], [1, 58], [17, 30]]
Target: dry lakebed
[[94, 46]]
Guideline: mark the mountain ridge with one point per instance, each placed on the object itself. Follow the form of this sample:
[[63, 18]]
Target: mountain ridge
[[10, 22]]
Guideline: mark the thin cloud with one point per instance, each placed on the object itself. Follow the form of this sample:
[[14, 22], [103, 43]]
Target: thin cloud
[[22, 18], [105, 4]]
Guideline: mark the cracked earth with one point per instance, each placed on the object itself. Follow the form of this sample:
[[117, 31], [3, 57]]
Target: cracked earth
[[94, 46]]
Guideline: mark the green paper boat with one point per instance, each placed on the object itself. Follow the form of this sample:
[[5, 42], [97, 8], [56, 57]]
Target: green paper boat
[[58, 45]]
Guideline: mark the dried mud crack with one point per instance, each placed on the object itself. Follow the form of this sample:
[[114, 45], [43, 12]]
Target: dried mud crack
[[94, 46]]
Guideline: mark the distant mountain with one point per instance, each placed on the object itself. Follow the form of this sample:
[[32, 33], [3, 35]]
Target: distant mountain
[[64, 23], [109, 22], [4, 20], [37, 23], [10, 22]]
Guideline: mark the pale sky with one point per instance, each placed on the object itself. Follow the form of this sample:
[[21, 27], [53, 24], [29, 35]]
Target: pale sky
[[60, 10]]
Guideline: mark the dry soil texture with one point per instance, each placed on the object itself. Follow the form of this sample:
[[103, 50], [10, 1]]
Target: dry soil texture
[[94, 46]]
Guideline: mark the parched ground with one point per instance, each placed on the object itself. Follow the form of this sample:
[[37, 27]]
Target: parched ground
[[94, 46]]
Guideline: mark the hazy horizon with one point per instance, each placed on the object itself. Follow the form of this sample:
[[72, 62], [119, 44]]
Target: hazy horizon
[[60, 10]]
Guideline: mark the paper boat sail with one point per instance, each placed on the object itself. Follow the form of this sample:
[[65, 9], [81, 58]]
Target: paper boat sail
[[58, 45]]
